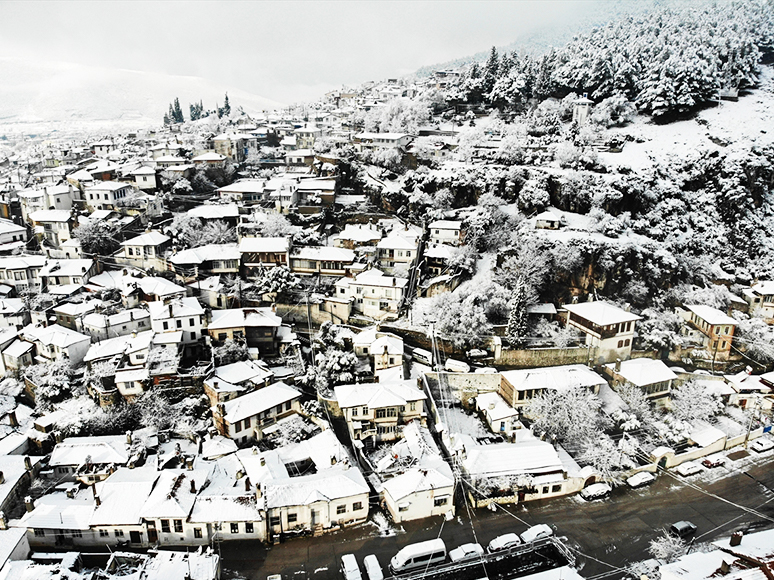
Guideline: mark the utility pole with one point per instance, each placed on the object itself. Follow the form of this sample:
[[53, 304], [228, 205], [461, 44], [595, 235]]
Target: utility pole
[[749, 425]]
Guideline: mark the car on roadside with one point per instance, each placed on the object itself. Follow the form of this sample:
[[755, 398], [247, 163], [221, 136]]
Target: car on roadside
[[714, 460], [682, 529], [536, 533], [349, 568], [466, 552], [373, 568], [596, 491], [761, 444], [504, 543], [689, 468], [640, 479]]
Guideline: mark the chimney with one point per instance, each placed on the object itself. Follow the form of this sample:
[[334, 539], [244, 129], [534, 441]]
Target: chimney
[[263, 461], [215, 385], [29, 504], [736, 538], [71, 492], [189, 463], [725, 567], [193, 486], [3, 521], [240, 474], [58, 436], [12, 420], [128, 437], [258, 492], [618, 365], [247, 484], [333, 460], [255, 450], [170, 309], [27, 463]]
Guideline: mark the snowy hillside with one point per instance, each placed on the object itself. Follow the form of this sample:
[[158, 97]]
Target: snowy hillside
[[37, 94]]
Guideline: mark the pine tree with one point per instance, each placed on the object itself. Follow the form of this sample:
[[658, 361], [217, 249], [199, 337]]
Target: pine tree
[[167, 120], [491, 71], [195, 111], [226, 107], [517, 318], [177, 113]]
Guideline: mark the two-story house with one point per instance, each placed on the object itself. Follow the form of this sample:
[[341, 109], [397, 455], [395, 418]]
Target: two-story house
[[185, 315], [52, 225], [711, 328], [518, 387], [446, 232], [259, 253], [379, 410], [105, 194], [651, 376], [374, 293], [145, 251], [607, 328], [244, 418], [258, 327]]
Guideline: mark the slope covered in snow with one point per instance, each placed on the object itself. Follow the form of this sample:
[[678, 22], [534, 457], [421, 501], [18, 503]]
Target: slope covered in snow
[[37, 94]]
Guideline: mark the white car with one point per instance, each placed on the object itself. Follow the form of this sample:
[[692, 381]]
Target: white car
[[596, 491], [466, 552], [760, 445], [689, 468], [640, 479], [372, 568], [536, 533], [349, 568], [504, 542]]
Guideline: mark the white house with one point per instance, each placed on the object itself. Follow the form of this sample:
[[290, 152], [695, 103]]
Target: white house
[[58, 342], [446, 232], [105, 194], [184, 314], [374, 293], [606, 327]]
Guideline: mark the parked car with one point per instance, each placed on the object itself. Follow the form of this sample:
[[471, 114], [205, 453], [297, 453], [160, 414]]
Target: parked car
[[536, 533], [372, 568], [714, 460], [682, 529], [456, 366], [504, 542], [419, 555], [688, 468], [349, 568], [596, 491], [760, 445], [466, 552], [640, 479]]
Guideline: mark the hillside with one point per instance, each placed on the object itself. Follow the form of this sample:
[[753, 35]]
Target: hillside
[[39, 95]]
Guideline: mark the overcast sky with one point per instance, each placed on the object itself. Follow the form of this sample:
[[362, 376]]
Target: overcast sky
[[287, 51]]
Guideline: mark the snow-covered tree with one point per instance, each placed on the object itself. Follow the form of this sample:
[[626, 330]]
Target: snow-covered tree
[[571, 415], [215, 232], [692, 402], [518, 326], [185, 229], [53, 383], [98, 237], [230, 352], [667, 547], [278, 279]]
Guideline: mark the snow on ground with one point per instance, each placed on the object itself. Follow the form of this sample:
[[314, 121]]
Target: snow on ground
[[386, 528], [750, 121]]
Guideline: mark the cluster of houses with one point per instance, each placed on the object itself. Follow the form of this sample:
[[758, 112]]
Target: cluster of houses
[[151, 314]]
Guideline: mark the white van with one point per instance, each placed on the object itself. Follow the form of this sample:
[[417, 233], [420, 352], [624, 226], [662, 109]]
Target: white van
[[418, 555], [456, 366], [423, 356]]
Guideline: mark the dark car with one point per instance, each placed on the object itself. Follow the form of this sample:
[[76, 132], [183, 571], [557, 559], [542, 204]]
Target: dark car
[[682, 529]]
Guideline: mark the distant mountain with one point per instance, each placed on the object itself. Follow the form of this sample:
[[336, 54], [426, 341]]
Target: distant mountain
[[35, 93]]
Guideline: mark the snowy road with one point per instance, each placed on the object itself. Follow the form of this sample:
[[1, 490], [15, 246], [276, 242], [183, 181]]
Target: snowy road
[[615, 532]]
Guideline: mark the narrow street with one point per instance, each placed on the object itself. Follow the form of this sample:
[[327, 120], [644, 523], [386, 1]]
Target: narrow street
[[607, 535]]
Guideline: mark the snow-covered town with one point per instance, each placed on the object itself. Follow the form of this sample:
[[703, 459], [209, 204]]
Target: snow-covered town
[[510, 318]]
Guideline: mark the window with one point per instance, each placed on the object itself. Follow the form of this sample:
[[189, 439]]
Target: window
[[197, 532], [103, 533], [392, 412], [364, 411], [222, 336], [439, 501], [165, 526], [234, 528], [237, 426], [726, 332], [246, 423], [130, 251], [39, 533], [179, 526], [249, 528], [412, 406], [620, 343], [274, 521], [292, 518], [341, 509], [403, 507], [166, 325], [380, 413], [179, 323], [357, 506], [545, 489], [190, 322], [556, 489], [193, 336], [120, 533], [627, 342], [288, 405], [723, 345]]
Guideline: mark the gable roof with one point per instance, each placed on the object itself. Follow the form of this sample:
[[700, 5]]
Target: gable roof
[[601, 313], [259, 401]]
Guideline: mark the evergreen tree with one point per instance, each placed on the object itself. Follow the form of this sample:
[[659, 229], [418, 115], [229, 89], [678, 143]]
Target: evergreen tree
[[491, 70], [177, 113], [196, 112], [517, 318], [226, 107]]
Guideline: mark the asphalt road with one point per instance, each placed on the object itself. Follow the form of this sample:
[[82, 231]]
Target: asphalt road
[[607, 534]]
